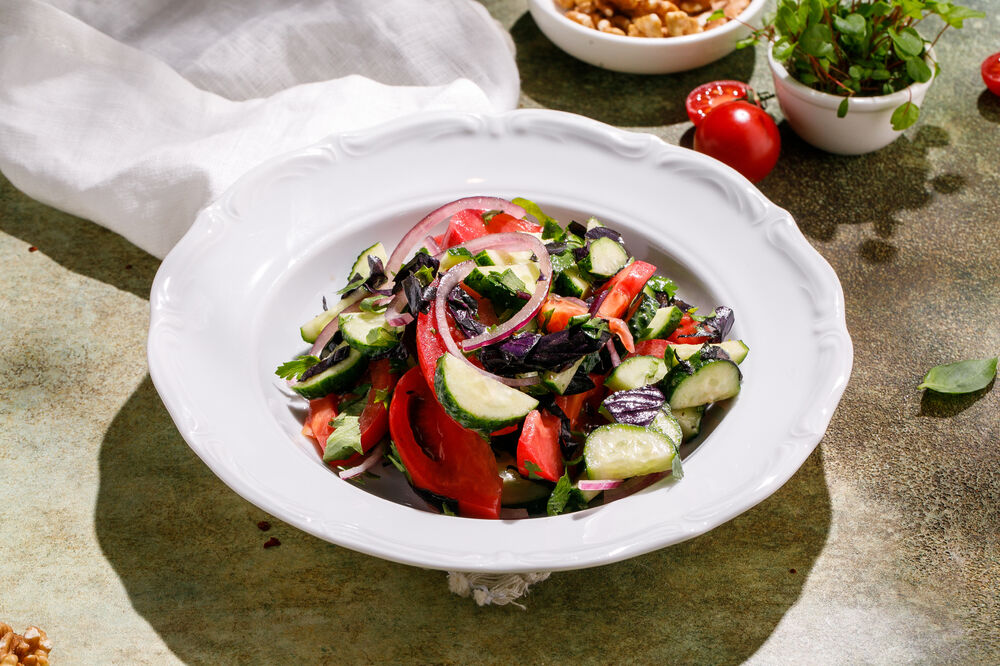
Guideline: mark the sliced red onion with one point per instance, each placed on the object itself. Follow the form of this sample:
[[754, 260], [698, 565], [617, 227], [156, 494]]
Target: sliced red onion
[[394, 315], [373, 457], [511, 241], [615, 359], [598, 484], [431, 245], [415, 236], [514, 514], [352, 305], [449, 281], [575, 301], [598, 302], [634, 485]]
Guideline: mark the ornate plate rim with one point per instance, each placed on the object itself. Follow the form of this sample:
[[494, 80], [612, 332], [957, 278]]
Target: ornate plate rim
[[215, 226]]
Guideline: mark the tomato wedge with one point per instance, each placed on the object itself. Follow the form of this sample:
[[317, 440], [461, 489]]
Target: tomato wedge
[[657, 348], [464, 226], [686, 332], [539, 445], [572, 405], [441, 456], [623, 287], [374, 419], [556, 312], [504, 222], [707, 96]]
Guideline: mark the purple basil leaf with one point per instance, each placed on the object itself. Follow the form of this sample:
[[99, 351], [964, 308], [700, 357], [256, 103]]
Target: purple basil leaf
[[338, 355], [719, 324], [636, 406], [420, 260], [604, 232], [464, 310], [575, 227]]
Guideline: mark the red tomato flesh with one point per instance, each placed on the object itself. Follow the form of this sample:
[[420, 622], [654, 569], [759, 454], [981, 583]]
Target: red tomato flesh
[[707, 96], [539, 444], [741, 135], [374, 419], [623, 287], [991, 73], [441, 456]]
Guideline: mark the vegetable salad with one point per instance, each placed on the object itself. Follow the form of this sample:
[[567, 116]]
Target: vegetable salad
[[510, 365]]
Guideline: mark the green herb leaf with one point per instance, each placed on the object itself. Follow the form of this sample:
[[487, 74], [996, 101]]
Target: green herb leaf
[[371, 304], [294, 368], [447, 510], [817, 40], [551, 230], [534, 471], [908, 42], [842, 108], [565, 498], [716, 15], [354, 283], [345, 440], [961, 377], [904, 116], [918, 70], [852, 24], [393, 457], [355, 404]]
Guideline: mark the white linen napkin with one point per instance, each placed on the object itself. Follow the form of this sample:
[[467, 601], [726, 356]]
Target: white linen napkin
[[137, 115]]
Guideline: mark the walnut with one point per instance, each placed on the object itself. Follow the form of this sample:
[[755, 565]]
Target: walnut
[[679, 23], [30, 649], [649, 25]]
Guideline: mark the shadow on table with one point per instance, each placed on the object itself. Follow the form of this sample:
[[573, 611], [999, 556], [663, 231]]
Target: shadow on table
[[559, 81], [109, 257], [863, 189], [945, 405], [191, 556]]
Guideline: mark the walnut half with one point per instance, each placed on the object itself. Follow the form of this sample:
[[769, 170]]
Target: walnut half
[[30, 649]]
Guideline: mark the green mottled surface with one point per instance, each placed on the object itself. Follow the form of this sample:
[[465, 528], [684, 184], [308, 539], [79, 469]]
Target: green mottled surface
[[883, 548]]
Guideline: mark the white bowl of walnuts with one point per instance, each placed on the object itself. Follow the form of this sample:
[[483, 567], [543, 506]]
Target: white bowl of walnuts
[[646, 36]]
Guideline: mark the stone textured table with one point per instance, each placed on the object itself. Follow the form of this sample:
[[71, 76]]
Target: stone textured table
[[883, 548]]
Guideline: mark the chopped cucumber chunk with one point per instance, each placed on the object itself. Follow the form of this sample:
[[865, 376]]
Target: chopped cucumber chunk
[[735, 348], [620, 451], [475, 400], [636, 371], [368, 332], [604, 258]]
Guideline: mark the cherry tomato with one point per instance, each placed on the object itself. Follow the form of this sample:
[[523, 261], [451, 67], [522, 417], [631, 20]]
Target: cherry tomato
[[741, 135], [991, 73], [707, 96]]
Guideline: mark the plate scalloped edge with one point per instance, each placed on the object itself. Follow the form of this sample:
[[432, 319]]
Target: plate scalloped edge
[[819, 281]]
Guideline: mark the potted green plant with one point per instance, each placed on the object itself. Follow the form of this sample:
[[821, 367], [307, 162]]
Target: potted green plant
[[850, 75]]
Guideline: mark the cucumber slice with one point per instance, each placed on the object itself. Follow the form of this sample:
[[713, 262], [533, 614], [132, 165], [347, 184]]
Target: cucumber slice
[[312, 328], [666, 423], [476, 401], [361, 266], [620, 451], [689, 419], [702, 383], [367, 332], [558, 382], [488, 258], [334, 379], [501, 284], [735, 348], [453, 257], [571, 282], [593, 222], [663, 323], [636, 371], [604, 258]]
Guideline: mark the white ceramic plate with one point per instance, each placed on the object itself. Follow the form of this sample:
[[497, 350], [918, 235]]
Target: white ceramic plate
[[228, 300]]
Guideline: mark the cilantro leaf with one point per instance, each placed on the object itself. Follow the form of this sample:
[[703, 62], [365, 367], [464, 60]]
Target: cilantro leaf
[[345, 440], [534, 471], [293, 369], [565, 498]]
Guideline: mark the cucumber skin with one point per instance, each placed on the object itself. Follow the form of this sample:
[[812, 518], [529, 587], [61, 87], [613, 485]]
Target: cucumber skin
[[623, 466], [389, 340], [684, 372], [617, 381], [319, 386], [461, 415]]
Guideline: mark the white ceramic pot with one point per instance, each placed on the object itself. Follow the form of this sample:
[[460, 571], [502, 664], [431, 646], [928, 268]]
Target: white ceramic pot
[[813, 114]]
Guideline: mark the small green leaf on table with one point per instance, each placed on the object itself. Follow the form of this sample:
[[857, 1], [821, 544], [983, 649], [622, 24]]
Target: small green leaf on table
[[961, 377]]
